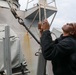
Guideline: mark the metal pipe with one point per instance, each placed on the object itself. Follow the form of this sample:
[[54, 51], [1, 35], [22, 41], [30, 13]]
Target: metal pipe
[[53, 19], [7, 53], [45, 9], [39, 12]]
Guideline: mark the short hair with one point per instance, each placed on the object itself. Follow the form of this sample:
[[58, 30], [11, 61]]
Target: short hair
[[74, 26]]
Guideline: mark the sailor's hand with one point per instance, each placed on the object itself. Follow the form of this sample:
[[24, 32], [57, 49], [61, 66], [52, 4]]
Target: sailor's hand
[[45, 26], [39, 27]]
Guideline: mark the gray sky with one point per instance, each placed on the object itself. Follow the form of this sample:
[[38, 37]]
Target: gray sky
[[66, 12]]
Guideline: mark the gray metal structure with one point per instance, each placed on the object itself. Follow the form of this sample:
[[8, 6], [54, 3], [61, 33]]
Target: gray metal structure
[[42, 10], [6, 17]]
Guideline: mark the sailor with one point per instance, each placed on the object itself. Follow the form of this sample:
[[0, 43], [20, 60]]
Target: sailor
[[62, 51]]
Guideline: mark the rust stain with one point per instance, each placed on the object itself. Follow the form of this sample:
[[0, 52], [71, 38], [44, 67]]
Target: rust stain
[[27, 49]]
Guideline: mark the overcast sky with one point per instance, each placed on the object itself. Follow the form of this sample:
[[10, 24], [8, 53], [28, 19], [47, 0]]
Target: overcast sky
[[66, 12]]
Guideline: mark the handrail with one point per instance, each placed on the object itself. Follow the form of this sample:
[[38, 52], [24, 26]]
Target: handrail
[[30, 1]]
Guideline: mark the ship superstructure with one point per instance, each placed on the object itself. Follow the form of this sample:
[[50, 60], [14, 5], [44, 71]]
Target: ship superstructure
[[31, 16]]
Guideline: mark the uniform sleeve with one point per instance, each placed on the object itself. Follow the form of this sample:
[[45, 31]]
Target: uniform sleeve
[[50, 50]]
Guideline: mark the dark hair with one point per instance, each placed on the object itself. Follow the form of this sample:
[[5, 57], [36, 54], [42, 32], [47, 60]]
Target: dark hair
[[74, 27]]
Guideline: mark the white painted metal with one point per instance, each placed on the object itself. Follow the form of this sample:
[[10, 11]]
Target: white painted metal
[[39, 12], [6, 17], [13, 3], [27, 13], [28, 44], [45, 17], [42, 2], [4, 4], [45, 11]]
